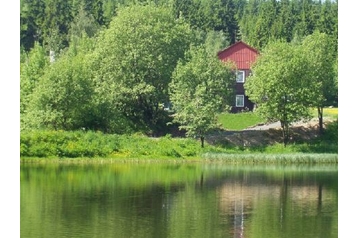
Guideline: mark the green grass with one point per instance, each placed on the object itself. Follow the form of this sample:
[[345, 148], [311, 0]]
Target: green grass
[[239, 121], [95, 146], [60, 145], [331, 113], [257, 158]]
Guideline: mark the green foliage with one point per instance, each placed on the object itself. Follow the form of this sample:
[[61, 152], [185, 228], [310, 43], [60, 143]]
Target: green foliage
[[84, 24], [320, 53], [215, 41], [67, 144], [331, 133], [288, 78], [90, 144], [126, 81], [55, 25], [255, 22], [210, 15], [132, 64], [32, 68], [62, 99], [264, 21], [200, 89], [31, 18], [280, 85]]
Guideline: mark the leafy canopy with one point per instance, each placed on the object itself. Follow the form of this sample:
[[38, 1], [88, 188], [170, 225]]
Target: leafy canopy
[[280, 84], [133, 63], [201, 88], [62, 98]]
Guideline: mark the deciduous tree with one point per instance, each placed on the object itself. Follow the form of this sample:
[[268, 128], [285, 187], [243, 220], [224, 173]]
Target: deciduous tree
[[32, 68], [201, 88], [63, 95], [280, 85], [133, 63], [319, 50]]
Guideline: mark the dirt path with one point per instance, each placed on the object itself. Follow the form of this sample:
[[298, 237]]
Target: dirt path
[[277, 125]]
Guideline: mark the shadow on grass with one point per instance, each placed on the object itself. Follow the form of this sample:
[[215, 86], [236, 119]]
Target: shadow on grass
[[302, 139]]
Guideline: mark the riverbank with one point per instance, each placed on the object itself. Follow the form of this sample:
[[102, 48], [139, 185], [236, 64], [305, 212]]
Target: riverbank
[[247, 146]]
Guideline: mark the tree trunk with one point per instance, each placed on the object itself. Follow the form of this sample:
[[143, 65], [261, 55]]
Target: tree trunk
[[284, 126], [320, 119], [202, 141]]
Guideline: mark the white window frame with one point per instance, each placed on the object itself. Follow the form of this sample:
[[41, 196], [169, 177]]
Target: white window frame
[[238, 72], [242, 99]]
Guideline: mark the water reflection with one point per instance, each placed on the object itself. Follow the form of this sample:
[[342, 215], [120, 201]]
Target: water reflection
[[181, 200]]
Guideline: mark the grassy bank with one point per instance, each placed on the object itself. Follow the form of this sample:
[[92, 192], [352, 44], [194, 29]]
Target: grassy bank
[[96, 146]]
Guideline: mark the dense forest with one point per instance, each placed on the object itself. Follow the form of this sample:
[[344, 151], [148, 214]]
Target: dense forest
[[52, 22], [107, 65]]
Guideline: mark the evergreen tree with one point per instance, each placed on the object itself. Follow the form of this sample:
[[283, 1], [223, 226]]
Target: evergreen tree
[[95, 8], [287, 20], [31, 19], [248, 21], [263, 30], [56, 24], [83, 24], [229, 20], [109, 10]]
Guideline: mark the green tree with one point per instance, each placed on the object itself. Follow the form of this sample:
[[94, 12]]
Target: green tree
[[214, 41], [109, 10], [280, 85], [83, 24], [57, 20], [286, 19], [201, 88], [133, 63], [182, 8], [248, 21], [92, 7], [263, 30], [96, 10], [62, 98], [228, 21], [31, 19], [319, 51], [32, 67]]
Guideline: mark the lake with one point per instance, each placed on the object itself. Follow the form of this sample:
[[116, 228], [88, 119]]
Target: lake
[[153, 199]]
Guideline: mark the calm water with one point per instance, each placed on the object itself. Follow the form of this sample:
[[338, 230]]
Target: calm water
[[178, 200]]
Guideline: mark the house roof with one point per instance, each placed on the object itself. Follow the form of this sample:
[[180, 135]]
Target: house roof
[[235, 44], [240, 53]]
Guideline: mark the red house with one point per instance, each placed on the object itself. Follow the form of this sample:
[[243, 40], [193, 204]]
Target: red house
[[242, 55]]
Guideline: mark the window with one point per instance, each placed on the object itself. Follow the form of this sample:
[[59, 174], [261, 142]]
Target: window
[[239, 101], [240, 76]]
